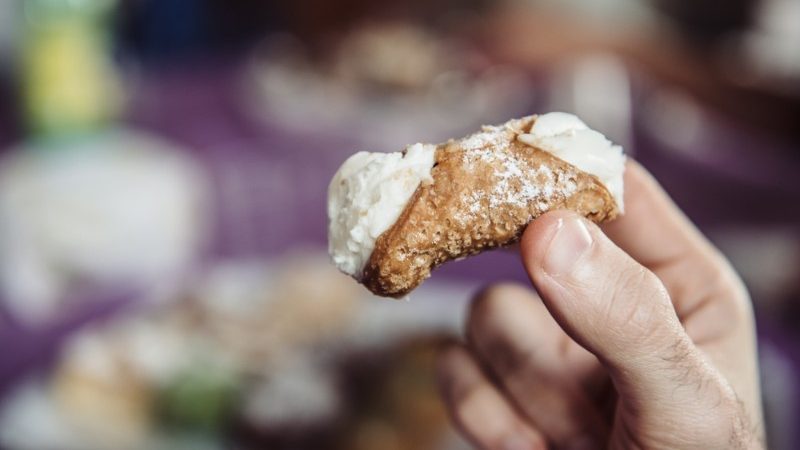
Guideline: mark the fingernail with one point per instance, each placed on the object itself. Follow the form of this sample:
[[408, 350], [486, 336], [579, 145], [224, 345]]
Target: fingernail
[[572, 239], [581, 443], [519, 442]]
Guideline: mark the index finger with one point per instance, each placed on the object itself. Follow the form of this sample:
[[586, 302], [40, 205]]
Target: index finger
[[660, 237], [652, 230]]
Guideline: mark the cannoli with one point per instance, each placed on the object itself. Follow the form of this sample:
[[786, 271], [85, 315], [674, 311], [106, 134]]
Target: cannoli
[[394, 217]]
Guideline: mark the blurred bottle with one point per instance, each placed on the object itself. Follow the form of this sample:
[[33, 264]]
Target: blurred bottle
[[69, 83]]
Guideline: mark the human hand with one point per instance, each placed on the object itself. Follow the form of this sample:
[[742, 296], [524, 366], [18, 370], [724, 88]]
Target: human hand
[[643, 338]]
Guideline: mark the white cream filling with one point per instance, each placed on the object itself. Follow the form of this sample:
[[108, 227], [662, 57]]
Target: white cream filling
[[366, 197], [568, 138]]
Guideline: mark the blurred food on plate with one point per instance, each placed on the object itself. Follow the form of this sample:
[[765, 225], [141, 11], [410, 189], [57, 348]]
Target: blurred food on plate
[[286, 353], [391, 82], [122, 206]]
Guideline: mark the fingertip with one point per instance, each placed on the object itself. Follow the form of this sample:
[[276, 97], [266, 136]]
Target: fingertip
[[537, 237], [539, 232]]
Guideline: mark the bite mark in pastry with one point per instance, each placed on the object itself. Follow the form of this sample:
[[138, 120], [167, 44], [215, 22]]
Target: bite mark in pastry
[[394, 217]]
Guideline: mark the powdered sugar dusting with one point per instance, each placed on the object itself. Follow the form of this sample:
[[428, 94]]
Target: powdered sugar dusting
[[474, 204], [514, 182], [476, 141], [571, 140]]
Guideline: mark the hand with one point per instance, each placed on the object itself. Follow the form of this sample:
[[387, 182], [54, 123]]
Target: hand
[[643, 338]]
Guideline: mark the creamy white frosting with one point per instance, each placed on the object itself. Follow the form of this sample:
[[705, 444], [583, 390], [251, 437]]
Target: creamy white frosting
[[568, 138], [366, 197]]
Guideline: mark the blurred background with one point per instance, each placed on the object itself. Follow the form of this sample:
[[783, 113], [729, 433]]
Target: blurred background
[[164, 281]]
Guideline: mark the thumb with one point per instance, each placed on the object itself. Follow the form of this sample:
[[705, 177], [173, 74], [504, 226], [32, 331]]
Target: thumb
[[616, 309]]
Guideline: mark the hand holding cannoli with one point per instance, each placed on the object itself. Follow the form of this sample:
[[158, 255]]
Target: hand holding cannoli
[[393, 217]]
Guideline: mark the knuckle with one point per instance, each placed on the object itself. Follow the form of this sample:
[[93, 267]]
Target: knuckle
[[741, 310], [638, 300], [719, 281], [729, 288], [472, 402], [720, 277], [640, 312]]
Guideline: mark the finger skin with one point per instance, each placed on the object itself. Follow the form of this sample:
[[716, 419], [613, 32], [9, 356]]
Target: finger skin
[[601, 297], [709, 298], [477, 408], [599, 294], [541, 369], [621, 312], [654, 232], [660, 311]]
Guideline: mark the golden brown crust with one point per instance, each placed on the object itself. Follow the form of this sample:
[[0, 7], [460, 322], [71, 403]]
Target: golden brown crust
[[486, 189]]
